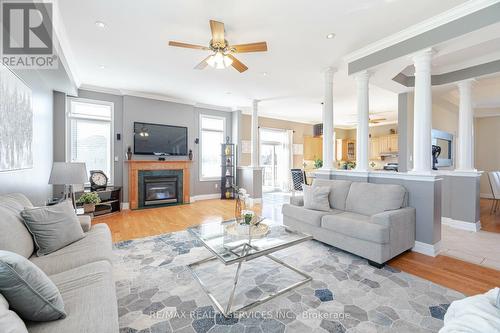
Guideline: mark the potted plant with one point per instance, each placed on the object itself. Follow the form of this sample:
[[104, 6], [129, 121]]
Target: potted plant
[[318, 163], [89, 200]]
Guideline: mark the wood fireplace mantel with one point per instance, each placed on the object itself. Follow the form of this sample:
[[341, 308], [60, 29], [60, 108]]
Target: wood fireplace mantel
[[134, 166]]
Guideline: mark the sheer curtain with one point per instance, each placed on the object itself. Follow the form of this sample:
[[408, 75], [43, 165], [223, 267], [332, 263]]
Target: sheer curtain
[[285, 162]]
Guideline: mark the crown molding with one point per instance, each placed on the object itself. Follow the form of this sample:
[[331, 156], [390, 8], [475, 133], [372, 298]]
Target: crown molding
[[419, 28], [159, 97], [66, 54]]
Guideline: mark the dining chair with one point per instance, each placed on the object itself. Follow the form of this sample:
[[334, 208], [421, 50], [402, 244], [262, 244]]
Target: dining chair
[[298, 178], [494, 177]]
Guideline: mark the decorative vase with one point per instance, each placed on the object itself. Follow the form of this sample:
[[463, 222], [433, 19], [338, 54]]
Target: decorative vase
[[228, 194], [240, 205], [129, 153], [190, 154], [88, 208], [227, 151]]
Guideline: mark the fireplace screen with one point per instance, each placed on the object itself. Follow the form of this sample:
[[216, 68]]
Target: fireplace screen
[[160, 190]]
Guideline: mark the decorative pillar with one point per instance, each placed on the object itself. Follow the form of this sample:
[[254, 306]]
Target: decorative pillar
[[422, 139], [328, 129], [363, 121], [255, 135], [465, 161]]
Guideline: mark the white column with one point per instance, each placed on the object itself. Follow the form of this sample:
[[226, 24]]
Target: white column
[[363, 121], [255, 135], [465, 160], [328, 131], [422, 118]]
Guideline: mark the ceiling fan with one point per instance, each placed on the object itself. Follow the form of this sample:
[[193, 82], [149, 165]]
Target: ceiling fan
[[371, 119], [222, 53]]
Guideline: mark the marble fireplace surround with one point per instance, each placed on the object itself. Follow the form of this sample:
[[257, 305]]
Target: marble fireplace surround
[[134, 166]]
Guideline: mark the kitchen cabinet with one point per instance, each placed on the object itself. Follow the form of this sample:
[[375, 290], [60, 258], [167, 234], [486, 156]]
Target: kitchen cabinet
[[393, 143], [346, 150], [313, 148], [374, 148], [383, 144]]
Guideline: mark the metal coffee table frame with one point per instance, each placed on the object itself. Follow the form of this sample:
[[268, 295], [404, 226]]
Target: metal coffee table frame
[[246, 247]]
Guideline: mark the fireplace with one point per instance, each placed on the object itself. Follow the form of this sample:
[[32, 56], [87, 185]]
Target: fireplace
[[160, 190]]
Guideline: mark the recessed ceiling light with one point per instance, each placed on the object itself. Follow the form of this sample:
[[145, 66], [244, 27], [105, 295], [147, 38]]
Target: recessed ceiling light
[[100, 24], [264, 73], [330, 35], [102, 67]]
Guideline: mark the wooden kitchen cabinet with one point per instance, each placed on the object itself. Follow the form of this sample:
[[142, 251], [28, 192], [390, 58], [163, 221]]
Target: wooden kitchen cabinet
[[345, 150], [383, 144], [393, 143], [313, 148], [374, 148]]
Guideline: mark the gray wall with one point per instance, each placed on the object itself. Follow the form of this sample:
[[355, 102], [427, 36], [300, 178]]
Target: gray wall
[[34, 182], [461, 198], [127, 110]]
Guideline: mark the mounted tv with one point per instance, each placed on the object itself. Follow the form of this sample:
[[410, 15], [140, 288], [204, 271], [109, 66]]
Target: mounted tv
[[157, 139]]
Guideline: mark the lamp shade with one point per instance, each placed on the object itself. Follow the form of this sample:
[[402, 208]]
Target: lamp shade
[[64, 173]]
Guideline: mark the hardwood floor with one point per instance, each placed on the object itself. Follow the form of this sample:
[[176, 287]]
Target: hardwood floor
[[489, 222], [462, 276]]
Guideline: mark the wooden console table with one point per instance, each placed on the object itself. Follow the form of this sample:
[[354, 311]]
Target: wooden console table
[[134, 166]]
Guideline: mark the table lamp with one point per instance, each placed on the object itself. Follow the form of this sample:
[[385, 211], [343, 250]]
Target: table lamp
[[68, 174]]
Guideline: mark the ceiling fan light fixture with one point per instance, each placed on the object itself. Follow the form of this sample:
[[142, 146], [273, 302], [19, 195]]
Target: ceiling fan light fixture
[[211, 61], [227, 61]]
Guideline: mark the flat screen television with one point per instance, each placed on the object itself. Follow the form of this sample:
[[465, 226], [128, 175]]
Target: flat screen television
[[153, 139]]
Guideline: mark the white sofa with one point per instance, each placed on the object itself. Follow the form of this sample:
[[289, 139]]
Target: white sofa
[[369, 220], [82, 271]]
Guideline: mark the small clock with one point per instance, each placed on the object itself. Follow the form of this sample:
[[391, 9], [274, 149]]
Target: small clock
[[98, 180]]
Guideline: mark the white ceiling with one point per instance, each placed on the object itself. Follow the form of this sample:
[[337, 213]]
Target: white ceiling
[[133, 48]]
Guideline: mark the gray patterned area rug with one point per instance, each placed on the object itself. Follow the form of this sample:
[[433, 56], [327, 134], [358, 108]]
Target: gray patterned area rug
[[157, 292]]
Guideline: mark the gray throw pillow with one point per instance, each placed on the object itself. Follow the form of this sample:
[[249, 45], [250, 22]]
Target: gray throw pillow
[[316, 197], [9, 320], [28, 290], [53, 227]]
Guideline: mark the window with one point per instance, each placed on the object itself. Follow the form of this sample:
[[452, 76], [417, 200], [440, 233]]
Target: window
[[90, 135], [212, 133]]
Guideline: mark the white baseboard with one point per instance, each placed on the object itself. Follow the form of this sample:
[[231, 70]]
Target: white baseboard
[[427, 249], [457, 224], [486, 195], [125, 205], [205, 197]]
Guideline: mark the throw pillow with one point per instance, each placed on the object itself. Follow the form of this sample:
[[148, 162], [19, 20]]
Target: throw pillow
[[9, 320], [53, 227], [316, 197], [28, 290]]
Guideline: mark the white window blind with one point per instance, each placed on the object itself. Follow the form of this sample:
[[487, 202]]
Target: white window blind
[[212, 132], [90, 135]]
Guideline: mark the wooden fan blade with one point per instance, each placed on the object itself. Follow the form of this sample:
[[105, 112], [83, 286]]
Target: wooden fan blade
[[188, 46], [203, 64], [238, 65], [250, 47], [217, 31]]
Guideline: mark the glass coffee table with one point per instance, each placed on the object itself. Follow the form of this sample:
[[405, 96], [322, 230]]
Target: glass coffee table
[[230, 249]]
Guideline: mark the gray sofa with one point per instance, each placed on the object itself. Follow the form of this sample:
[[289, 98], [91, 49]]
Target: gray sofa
[[369, 220], [82, 271]]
